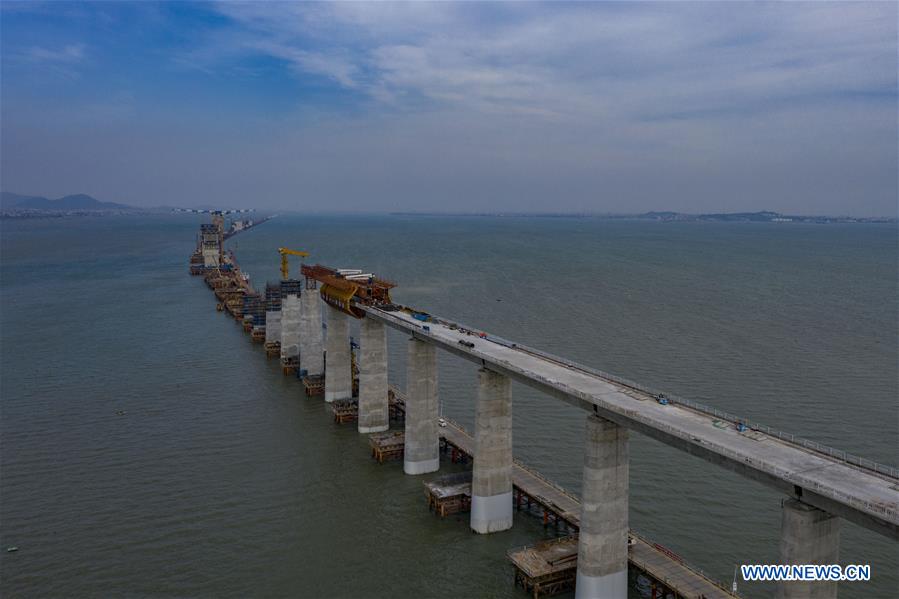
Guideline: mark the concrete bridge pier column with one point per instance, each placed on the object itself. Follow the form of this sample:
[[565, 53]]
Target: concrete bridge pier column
[[290, 327], [272, 326], [373, 416], [422, 450], [338, 378], [808, 536], [602, 545], [311, 351], [491, 482]]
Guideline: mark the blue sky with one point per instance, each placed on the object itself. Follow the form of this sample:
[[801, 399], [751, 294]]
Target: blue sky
[[600, 107]]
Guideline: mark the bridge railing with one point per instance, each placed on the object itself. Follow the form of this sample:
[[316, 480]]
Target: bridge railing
[[837, 454], [805, 482], [832, 452]]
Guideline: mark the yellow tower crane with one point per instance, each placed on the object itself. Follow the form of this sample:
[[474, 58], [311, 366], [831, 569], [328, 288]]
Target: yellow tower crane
[[285, 273]]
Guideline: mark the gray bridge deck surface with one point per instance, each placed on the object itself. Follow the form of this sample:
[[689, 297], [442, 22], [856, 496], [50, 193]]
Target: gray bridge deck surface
[[861, 496], [642, 553]]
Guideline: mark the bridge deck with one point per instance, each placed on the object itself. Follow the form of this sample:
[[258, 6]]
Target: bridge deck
[[863, 496]]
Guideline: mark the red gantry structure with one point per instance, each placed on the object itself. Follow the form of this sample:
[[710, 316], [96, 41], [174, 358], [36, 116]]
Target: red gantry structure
[[341, 288]]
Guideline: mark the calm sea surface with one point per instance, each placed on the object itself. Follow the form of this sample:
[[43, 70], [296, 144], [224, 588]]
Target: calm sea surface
[[221, 480]]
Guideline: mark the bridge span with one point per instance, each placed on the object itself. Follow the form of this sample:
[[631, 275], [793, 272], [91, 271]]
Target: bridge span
[[820, 488], [861, 495]]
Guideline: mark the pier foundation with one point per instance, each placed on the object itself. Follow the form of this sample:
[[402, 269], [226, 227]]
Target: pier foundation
[[338, 375], [602, 545], [808, 536], [311, 347], [422, 450], [373, 405], [491, 483], [290, 328]]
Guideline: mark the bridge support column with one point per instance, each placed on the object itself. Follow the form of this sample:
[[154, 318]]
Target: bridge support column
[[311, 351], [373, 416], [808, 536], [272, 326], [602, 545], [338, 376], [422, 450], [290, 327], [491, 482]]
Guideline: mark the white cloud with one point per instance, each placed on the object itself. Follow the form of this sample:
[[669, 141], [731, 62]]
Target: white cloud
[[70, 54], [616, 104], [335, 66], [518, 106], [583, 61]]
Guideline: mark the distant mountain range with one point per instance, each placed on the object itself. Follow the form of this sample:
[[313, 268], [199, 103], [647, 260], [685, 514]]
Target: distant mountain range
[[18, 205], [765, 216], [77, 202]]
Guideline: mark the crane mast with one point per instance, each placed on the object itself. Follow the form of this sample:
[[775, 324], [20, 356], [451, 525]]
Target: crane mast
[[285, 271]]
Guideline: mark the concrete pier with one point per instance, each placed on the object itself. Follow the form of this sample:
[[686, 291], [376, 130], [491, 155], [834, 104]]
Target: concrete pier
[[491, 484], [373, 409], [602, 547], [422, 451], [808, 536], [338, 376], [290, 327], [311, 347], [272, 326]]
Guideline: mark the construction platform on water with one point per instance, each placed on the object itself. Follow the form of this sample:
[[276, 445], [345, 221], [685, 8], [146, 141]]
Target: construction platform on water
[[538, 568], [352, 376], [347, 410], [548, 567]]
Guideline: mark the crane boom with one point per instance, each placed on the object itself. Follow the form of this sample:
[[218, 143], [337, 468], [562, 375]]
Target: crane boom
[[285, 273]]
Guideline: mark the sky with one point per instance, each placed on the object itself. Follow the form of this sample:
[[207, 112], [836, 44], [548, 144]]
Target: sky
[[454, 107]]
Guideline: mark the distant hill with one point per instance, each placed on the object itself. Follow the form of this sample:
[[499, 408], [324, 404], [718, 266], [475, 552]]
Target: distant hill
[[10, 200], [15, 201], [765, 216]]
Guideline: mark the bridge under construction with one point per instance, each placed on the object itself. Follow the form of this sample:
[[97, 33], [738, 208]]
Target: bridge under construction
[[821, 486]]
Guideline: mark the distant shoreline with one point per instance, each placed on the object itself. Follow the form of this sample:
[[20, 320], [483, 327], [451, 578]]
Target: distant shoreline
[[32, 207], [735, 217]]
